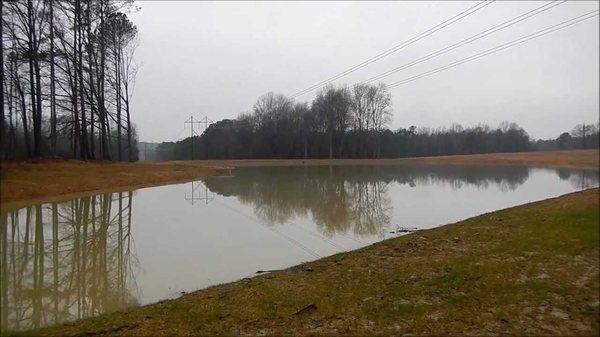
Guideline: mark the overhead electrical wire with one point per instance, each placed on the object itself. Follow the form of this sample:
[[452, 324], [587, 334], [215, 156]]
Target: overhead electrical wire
[[468, 40], [501, 47], [394, 49], [274, 230]]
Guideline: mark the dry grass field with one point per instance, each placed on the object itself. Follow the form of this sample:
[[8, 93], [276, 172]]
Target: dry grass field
[[572, 159], [44, 180]]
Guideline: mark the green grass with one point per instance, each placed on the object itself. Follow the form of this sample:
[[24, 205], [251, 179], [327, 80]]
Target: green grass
[[528, 270]]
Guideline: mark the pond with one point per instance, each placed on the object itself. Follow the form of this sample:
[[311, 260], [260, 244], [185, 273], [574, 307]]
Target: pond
[[97, 254]]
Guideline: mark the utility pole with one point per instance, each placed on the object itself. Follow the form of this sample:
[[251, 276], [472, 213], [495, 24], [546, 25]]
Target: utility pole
[[191, 121]]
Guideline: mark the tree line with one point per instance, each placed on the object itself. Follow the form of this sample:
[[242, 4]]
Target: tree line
[[67, 79], [344, 122], [582, 136], [340, 122]]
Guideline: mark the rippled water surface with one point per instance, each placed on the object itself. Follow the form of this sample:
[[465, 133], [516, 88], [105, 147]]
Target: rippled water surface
[[92, 255]]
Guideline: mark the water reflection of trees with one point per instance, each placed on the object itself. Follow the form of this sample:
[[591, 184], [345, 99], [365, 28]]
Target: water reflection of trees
[[579, 179], [342, 199], [66, 261], [507, 178]]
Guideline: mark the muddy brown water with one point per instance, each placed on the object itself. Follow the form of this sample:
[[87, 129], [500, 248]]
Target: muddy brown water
[[98, 254]]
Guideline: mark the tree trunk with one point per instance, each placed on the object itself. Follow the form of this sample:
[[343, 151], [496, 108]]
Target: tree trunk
[[84, 150], [129, 145], [32, 87], [38, 127], [305, 146], [74, 95], [91, 85], [118, 89], [52, 83], [10, 149], [330, 145], [2, 122], [23, 115], [101, 106]]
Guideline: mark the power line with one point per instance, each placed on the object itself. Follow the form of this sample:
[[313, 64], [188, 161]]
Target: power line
[[284, 236], [176, 138], [394, 49], [318, 235], [501, 47], [308, 231], [471, 39], [416, 38]]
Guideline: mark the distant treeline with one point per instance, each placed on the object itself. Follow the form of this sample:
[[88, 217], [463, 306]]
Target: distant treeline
[[67, 79], [352, 123], [582, 136]]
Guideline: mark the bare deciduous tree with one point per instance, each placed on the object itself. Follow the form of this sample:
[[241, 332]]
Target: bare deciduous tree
[[57, 58]]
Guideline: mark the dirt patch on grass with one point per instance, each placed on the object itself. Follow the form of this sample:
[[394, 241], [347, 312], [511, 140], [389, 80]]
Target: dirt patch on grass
[[527, 270]]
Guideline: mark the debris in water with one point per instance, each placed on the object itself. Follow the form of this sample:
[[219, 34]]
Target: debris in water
[[400, 230]]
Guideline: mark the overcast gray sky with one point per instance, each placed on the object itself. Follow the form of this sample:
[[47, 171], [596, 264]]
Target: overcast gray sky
[[216, 58]]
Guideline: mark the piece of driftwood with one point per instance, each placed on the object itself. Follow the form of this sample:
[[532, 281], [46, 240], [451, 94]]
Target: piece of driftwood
[[306, 310]]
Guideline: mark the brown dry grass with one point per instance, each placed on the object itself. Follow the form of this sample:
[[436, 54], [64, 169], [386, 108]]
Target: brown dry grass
[[33, 181], [570, 159]]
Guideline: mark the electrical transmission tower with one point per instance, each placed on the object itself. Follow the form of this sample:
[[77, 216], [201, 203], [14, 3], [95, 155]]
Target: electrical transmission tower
[[192, 122]]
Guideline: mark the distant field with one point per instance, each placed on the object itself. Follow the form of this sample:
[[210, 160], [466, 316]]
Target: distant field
[[572, 159], [29, 181]]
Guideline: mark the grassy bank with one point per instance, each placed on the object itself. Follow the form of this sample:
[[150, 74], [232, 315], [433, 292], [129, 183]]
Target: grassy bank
[[47, 180], [531, 269]]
